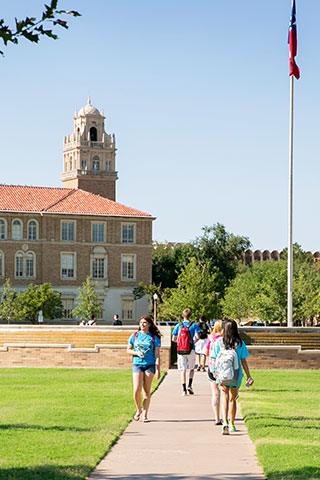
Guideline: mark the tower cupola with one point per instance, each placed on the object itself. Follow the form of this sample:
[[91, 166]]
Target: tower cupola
[[89, 154]]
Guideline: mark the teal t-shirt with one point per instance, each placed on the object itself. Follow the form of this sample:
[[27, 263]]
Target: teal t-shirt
[[241, 351], [145, 344]]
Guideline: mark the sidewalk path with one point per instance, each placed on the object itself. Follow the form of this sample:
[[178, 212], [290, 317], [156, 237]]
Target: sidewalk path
[[181, 441]]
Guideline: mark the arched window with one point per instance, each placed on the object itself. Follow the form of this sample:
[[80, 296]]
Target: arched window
[[1, 264], [25, 265], [3, 229], [93, 134], [17, 230], [32, 230], [19, 264], [29, 264], [95, 163]]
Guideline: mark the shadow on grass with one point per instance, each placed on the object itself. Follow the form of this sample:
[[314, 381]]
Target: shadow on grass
[[265, 416], [49, 472], [305, 473], [54, 428]]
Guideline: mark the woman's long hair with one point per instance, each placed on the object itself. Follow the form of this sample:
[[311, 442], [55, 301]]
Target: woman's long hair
[[231, 337], [153, 329]]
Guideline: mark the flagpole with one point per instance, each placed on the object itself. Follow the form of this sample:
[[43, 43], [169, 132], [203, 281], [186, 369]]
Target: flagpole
[[290, 223]]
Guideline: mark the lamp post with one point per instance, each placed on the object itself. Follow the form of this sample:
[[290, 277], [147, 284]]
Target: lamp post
[[155, 298]]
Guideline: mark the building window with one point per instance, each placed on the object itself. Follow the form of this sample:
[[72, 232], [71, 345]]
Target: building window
[[108, 166], [98, 232], [25, 265], [17, 230], [98, 267], [83, 164], [67, 231], [95, 163], [128, 233], [67, 307], [32, 230], [93, 134], [128, 269], [127, 310], [68, 265], [1, 264], [3, 229]]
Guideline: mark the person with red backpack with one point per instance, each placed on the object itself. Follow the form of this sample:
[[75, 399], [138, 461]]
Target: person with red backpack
[[186, 334], [144, 346]]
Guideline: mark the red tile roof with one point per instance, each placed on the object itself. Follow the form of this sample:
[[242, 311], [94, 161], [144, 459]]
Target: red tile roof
[[16, 198]]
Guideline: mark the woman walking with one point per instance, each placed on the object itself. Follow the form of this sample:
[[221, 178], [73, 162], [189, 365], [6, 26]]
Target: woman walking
[[144, 346], [216, 332], [231, 341], [201, 344]]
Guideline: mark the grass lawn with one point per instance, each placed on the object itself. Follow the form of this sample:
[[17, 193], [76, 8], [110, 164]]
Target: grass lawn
[[56, 424], [282, 413]]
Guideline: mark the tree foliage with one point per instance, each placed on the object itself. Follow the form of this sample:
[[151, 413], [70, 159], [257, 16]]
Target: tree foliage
[[39, 297], [87, 302], [260, 291], [167, 262], [222, 251], [195, 289], [32, 28], [9, 306]]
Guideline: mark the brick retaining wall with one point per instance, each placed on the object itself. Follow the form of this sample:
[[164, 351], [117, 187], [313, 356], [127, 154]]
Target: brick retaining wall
[[24, 353]]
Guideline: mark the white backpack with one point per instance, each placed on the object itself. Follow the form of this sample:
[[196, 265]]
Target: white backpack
[[227, 366]]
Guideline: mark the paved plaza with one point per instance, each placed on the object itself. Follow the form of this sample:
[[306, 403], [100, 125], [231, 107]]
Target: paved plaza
[[181, 441]]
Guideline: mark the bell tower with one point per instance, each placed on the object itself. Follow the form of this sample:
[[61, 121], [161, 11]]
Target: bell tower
[[89, 155]]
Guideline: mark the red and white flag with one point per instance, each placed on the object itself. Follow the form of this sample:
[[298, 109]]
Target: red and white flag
[[292, 40]]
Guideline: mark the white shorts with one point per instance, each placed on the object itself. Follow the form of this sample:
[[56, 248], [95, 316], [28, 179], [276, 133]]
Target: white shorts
[[187, 362], [201, 346]]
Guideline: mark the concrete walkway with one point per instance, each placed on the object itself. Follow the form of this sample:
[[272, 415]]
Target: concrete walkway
[[181, 441]]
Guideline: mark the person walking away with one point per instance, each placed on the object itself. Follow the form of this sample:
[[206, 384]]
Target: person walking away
[[144, 346], [201, 344], [93, 321], [116, 320], [186, 334], [230, 345], [216, 332]]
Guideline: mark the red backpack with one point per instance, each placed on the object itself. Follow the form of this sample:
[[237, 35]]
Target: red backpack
[[185, 343]]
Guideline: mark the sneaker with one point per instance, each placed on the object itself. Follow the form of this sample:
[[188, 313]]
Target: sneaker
[[190, 391], [225, 429], [219, 422], [198, 369], [184, 393], [203, 369], [232, 428]]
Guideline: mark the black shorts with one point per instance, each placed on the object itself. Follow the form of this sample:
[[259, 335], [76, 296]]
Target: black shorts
[[211, 377]]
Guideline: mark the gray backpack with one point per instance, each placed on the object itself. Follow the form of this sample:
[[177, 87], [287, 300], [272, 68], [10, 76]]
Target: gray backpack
[[227, 366]]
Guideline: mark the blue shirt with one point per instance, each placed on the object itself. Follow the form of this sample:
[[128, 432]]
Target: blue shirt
[[144, 343], [193, 330], [241, 351]]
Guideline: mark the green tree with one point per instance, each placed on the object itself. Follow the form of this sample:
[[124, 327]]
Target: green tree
[[32, 28], [260, 291], [195, 289], [222, 251], [39, 297], [87, 302], [167, 262], [9, 306]]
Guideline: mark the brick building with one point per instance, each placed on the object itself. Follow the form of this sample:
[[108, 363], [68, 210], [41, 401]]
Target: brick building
[[62, 235]]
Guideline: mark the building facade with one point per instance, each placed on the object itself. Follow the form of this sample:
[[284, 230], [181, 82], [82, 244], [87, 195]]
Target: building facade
[[63, 235]]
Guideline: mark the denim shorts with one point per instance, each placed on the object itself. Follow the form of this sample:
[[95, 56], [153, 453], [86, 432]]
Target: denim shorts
[[144, 368]]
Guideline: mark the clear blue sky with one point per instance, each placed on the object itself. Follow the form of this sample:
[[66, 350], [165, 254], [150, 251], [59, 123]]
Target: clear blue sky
[[197, 94]]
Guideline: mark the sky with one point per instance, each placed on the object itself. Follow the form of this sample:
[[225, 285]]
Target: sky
[[197, 94]]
